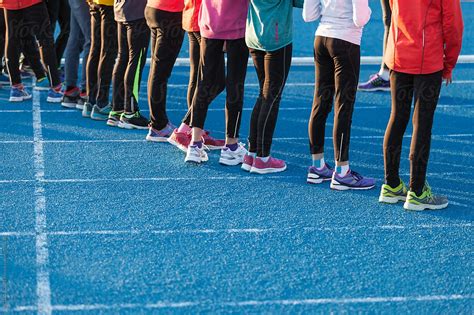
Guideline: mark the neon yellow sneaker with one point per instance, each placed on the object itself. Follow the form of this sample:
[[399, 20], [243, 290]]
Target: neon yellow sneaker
[[425, 201], [393, 195]]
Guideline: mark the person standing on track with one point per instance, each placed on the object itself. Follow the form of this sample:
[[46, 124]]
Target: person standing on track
[[133, 40], [337, 61], [380, 81], [422, 50], [101, 59], [24, 20], [269, 36], [164, 18], [222, 25], [79, 41], [181, 137]]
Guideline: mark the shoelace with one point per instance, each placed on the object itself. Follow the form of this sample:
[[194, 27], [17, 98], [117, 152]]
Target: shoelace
[[356, 175]]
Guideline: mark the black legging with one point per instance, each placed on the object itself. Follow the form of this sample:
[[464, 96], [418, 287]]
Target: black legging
[[166, 39], [133, 39], [194, 56], [272, 69], [59, 11], [26, 23], [337, 74], [213, 79], [425, 88], [387, 20], [102, 54]]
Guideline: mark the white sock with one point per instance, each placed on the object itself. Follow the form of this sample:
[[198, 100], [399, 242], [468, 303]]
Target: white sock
[[252, 154], [384, 74], [319, 164], [265, 159], [342, 170]]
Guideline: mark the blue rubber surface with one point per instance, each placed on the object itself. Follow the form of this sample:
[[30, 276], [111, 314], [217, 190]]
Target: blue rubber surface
[[128, 227]]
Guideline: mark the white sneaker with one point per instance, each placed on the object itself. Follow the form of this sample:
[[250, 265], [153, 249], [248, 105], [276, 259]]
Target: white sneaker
[[195, 154], [229, 157]]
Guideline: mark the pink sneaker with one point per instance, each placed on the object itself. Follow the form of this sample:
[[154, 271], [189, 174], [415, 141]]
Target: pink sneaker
[[271, 166], [212, 143], [247, 162], [181, 140]]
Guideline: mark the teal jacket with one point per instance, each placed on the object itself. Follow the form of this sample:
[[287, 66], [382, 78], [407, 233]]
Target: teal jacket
[[270, 23]]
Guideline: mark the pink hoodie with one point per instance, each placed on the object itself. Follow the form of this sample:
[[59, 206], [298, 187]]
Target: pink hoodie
[[223, 19]]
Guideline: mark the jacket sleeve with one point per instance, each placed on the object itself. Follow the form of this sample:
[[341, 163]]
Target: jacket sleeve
[[311, 10], [361, 12], [452, 34]]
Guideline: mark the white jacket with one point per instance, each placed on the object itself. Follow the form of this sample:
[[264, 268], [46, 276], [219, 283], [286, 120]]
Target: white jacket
[[342, 19]]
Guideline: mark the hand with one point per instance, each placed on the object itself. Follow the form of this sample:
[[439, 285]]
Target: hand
[[448, 79]]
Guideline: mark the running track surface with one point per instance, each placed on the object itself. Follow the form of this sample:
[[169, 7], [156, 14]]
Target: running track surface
[[94, 219]]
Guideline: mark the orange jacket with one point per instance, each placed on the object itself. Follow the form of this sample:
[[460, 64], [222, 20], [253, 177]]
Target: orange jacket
[[18, 4], [191, 15], [425, 36]]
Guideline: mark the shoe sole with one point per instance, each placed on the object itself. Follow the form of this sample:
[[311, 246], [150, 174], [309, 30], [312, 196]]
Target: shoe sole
[[18, 99], [263, 171], [340, 187], [99, 118], [130, 126], [68, 105], [411, 207], [156, 139], [312, 179], [228, 162], [195, 160], [112, 123], [176, 144], [86, 115], [391, 200], [54, 100], [246, 167], [80, 107], [374, 90]]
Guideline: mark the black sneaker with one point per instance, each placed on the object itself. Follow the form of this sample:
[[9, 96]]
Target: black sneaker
[[82, 99], [70, 98], [133, 121]]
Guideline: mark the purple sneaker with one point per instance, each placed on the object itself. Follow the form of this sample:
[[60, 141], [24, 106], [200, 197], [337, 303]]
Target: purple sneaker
[[160, 135], [317, 176], [375, 83], [352, 180]]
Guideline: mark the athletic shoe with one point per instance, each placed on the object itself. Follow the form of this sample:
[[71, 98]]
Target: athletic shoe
[[393, 195], [375, 83], [70, 98], [4, 79], [181, 140], [425, 201], [317, 176], [231, 158], [26, 71], [101, 113], [133, 121], [352, 180], [19, 94], [114, 118], [87, 110], [271, 166], [247, 162], [159, 135], [194, 154], [42, 84], [81, 101], [212, 143], [55, 95]]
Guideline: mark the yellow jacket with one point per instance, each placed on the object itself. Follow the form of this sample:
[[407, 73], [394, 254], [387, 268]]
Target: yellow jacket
[[104, 2]]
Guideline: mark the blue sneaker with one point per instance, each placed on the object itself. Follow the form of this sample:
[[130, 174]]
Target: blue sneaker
[[55, 95], [375, 83], [4, 79], [317, 176], [19, 94], [352, 180], [160, 135], [87, 110], [101, 113], [42, 84]]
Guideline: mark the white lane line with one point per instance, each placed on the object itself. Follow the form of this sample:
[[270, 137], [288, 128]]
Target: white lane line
[[43, 289], [252, 303], [246, 230]]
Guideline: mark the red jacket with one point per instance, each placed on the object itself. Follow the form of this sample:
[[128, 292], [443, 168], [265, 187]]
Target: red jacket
[[167, 5], [18, 4], [425, 36], [191, 15]]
